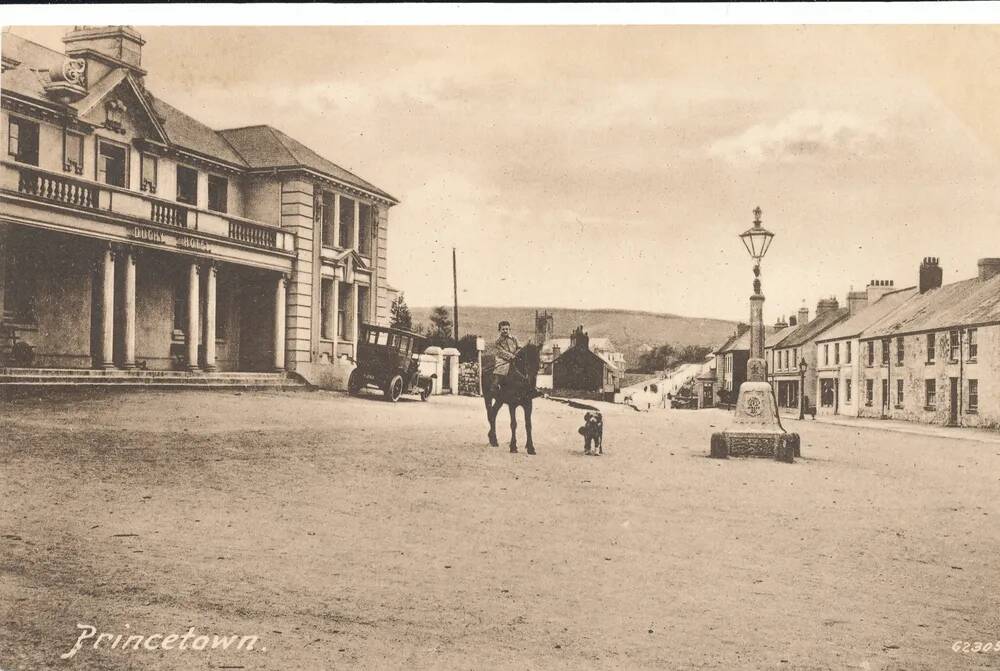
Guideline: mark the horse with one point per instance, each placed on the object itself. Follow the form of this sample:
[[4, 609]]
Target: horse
[[517, 389]]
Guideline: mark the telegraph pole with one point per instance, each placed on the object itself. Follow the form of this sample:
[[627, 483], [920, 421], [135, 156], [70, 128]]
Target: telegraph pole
[[454, 277]]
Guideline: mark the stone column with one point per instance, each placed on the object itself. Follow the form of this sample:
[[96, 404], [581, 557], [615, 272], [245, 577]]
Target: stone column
[[334, 319], [108, 309], [194, 305], [756, 370], [279, 323], [210, 298], [354, 317], [357, 224], [130, 260], [4, 229]]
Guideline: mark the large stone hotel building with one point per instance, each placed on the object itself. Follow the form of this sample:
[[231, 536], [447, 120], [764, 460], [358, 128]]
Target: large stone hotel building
[[132, 235]]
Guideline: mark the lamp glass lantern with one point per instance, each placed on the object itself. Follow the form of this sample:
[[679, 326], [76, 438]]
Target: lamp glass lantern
[[757, 239]]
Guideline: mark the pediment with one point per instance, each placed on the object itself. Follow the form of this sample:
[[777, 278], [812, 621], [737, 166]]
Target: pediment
[[117, 103]]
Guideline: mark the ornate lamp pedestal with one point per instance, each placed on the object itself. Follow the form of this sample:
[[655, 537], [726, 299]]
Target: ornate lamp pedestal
[[756, 430]]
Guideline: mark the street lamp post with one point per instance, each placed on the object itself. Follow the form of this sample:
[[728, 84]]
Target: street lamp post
[[802, 388], [756, 429]]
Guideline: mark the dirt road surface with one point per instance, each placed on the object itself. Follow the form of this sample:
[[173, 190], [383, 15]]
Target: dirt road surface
[[354, 533]]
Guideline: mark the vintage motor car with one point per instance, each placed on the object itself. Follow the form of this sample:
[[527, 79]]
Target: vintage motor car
[[386, 360]]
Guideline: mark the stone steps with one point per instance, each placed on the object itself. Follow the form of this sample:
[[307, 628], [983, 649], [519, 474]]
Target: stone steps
[[51, 378]]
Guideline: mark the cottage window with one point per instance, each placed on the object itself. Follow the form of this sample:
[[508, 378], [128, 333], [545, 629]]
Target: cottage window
[[362, 306], [954, 345], [871, 352], [218, 193], [22, 141], [187, 185], [73, 152], [365, 229], [973, 396], [899, 392], [869, 392], [112, 163], [847, 353], [826, 392], [147, 173], [847, 391], [346, 222], [885, 352], [326, 304], [931, 354], [836, 353], [826, 354], [327, 203], [930, 394], [899, 350], [973, 344]]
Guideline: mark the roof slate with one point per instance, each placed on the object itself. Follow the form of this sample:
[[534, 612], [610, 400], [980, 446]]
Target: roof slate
[[971, 301], [743, 342], [856, 325], [812, 329], [267, 147]]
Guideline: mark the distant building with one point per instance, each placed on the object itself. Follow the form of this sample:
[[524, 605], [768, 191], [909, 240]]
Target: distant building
[[800, 345], [582, 369], [842, 343]]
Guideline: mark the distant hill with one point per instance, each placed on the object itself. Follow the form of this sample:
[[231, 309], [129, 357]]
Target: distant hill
[[629, 329]]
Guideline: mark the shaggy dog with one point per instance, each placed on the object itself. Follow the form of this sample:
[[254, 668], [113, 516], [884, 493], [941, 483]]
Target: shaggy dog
[[593, 433]]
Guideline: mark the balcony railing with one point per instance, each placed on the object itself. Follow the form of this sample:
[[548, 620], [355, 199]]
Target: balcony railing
[[168, 214], [251, 234], [139, 207], [57, 188]]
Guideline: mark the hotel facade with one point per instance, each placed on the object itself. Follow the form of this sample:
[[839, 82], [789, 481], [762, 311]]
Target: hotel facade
[[134, 236]]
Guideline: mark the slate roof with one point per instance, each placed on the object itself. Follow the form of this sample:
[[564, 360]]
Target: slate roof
[[267, 147], [779, 336], [606, 362], [854, 326], [564, 344], [968, 302], [809, 331], [743, 342], [251, 147]]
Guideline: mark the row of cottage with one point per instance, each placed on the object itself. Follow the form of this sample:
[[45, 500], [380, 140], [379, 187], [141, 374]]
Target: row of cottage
[[927, 353]]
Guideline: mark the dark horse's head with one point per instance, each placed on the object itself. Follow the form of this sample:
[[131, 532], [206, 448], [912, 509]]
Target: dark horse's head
[[524, 369]]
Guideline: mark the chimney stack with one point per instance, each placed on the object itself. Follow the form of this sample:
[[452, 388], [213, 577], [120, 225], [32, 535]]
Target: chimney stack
[[105, 48], [791, 320], [579, 338], [825, 305], [930, 274], [878, 288], [856, 301], [988, 268], [803, 315], [781, 323]]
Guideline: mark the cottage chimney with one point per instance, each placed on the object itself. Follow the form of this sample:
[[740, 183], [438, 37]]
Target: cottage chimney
[[856, 301], [878, 288], [105, 48], [791, 320], [825, 305], [579, 338], [930, 274], [988, 268], [781, 323], [803, 316], [741, 328]]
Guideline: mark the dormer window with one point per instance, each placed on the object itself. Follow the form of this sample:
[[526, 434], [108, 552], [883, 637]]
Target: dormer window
[[114, 111], [73, 152]]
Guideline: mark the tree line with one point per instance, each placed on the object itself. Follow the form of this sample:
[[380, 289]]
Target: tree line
[[440, 332], [666, 356]]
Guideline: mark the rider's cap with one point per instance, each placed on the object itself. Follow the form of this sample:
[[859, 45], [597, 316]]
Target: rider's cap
[[502, 324]]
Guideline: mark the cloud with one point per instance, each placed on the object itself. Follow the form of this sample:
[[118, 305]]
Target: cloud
[[803, 135]]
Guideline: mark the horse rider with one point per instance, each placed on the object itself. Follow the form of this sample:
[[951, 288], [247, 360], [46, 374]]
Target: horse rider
[[506, 348]]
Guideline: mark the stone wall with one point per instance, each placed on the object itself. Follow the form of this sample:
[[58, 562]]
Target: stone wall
[[468, 378]]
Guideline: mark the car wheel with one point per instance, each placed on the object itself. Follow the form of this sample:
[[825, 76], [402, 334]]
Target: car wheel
[[394, 389], [355, 382], [425, 392]]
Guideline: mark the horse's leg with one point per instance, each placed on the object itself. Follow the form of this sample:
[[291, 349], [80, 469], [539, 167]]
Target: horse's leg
[[513, 426], [492, 410], [527, 425]]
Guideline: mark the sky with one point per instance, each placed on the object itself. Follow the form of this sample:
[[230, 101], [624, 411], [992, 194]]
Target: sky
[[614, 166]]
